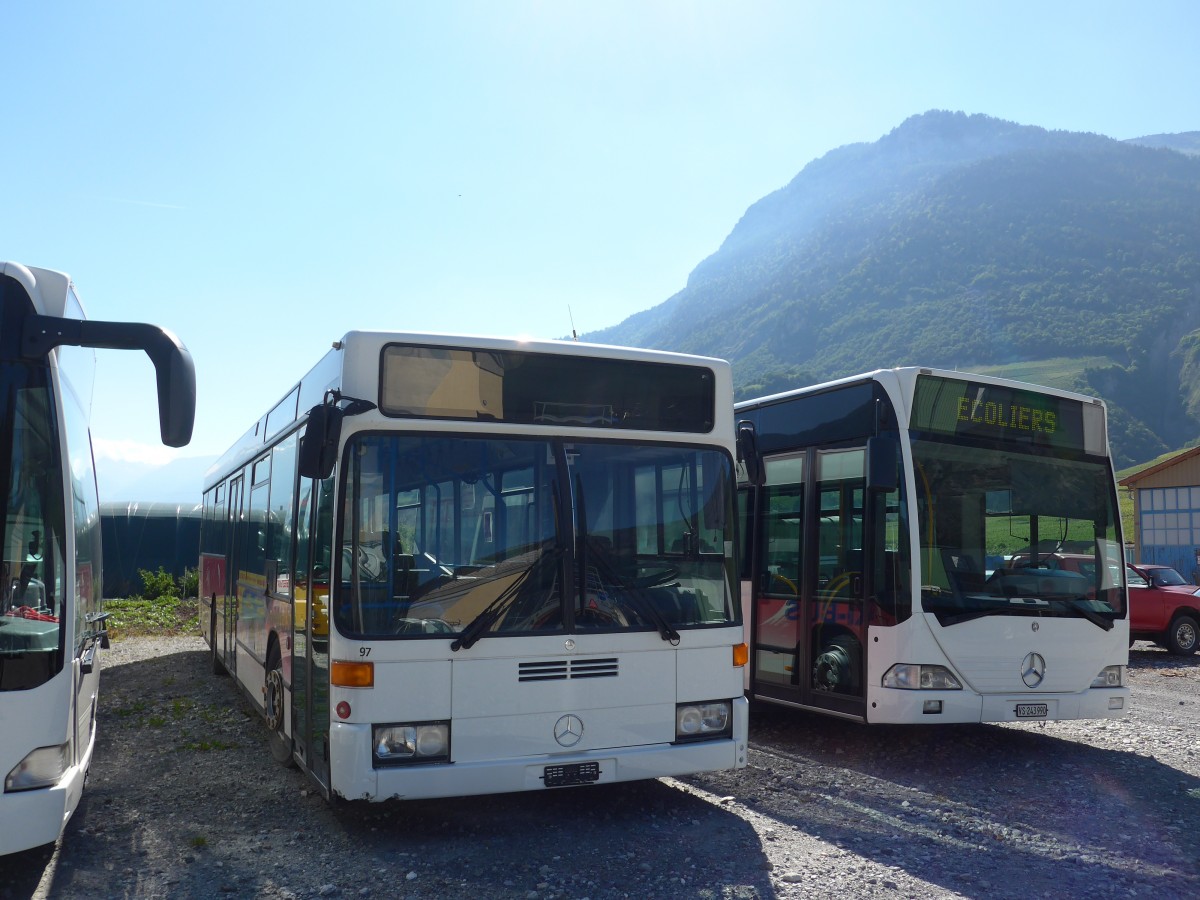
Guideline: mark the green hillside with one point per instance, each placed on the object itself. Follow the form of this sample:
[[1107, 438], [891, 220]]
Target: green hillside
[[966, 242], [1061, 372]]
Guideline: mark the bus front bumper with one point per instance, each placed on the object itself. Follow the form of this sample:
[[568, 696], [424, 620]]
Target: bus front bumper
[[354, 777], [957, 707], [42, 814]]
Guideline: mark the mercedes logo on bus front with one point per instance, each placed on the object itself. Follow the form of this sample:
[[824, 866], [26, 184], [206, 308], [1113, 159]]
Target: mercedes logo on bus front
[[1033, 670], [568, 730]]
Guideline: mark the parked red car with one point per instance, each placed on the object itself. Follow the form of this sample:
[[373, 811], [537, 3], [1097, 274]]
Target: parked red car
[[1163, 608]]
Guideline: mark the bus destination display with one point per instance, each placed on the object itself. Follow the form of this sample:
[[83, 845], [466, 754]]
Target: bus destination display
[[998, 413]]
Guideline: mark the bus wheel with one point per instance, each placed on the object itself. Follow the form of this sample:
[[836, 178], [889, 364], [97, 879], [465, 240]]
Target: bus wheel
[[1183, 635], [281, 744], [837, 666]]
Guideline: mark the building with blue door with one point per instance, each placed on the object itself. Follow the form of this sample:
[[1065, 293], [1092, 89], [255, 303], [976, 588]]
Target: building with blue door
[[1166, 503]]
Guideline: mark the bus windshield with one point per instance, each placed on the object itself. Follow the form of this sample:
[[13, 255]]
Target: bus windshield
[[452, 536], [31, 600], [1013, 532]]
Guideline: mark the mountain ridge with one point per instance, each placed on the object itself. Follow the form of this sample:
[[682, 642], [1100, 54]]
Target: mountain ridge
[[969, 241]]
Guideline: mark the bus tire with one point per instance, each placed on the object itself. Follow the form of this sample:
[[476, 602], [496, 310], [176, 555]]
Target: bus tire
[[274, 697], [837, 667], [1183, 635]]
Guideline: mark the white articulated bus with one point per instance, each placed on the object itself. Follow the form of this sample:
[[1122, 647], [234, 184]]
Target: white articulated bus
[[51, 624], [445, 566], [928, 546]]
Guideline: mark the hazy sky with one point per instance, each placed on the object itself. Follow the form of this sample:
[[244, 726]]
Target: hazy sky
[[261, 177]]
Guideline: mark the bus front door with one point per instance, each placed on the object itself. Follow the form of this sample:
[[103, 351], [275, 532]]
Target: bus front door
[[808, 616], [311, 714], [226, 619], [835, 584]]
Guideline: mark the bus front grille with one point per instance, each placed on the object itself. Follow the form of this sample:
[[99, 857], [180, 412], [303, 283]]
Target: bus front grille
[[563, 669]]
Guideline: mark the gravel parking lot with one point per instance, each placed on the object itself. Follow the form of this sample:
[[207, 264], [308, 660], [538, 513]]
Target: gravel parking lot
[[183, 801]]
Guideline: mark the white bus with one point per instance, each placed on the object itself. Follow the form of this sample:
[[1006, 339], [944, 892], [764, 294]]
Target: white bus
[[447, 566], [929, 546], [51, 623]]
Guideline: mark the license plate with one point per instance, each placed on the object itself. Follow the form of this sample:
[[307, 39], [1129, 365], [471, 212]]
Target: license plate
[[572, 773], [1032, 710]]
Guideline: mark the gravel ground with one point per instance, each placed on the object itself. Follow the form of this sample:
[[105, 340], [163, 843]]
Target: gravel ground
[[183, 801]]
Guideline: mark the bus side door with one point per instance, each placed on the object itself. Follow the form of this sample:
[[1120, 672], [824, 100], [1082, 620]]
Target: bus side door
[[809, 585], [227, 614]]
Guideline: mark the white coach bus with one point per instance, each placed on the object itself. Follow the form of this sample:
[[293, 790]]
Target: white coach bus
[[929, 546], [51, 624], [450, 566]]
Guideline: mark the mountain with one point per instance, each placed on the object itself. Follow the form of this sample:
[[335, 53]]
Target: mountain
[[1187, 142], [178, 481], [969, 242]]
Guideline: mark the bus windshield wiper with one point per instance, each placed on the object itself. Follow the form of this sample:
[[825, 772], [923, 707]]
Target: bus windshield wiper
[[640, 601], [477, 626], [1090, 614], [1074, 606]]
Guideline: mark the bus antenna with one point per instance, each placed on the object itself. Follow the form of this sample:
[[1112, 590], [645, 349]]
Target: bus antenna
[[571, 316]]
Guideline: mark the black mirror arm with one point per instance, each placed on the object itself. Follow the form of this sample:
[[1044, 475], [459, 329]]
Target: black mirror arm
[[173, 366]]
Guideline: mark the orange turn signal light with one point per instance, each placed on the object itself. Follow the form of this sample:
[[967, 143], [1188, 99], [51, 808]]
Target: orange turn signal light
[[741, 655], [352, 674]]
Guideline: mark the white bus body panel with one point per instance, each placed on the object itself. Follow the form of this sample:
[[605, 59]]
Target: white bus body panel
[[502, 731], [36, 817], [986, 655]]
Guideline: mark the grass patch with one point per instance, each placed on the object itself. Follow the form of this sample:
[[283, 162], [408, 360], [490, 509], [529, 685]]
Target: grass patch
[[206, 744], [161, 616], [1061, 372], [159, 610]]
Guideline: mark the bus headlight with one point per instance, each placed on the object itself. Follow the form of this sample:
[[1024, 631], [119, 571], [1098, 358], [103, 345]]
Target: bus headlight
[[1110, 676], [915, 677], [696, 721], [425, 742], [40, 769]]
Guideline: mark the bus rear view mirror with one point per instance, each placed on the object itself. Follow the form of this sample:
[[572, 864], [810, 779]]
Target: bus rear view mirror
[[883, 464], [747, 449], [318, 446], [173, 366]]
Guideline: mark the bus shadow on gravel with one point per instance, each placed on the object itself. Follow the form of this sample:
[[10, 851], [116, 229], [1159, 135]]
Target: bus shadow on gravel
[[637, 839], [184, 800], [984, 810]]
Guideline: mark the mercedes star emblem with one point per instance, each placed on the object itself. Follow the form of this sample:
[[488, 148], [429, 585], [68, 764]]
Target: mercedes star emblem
[[1033, 670], [568, 730]]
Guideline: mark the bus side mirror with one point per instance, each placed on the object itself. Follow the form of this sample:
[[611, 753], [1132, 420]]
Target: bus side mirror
[[747, 450], [173, 366], [883, 464], [318, 446]]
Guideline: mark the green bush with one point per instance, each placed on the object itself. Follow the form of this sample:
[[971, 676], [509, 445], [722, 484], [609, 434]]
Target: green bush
[[189, 584], [166, 605], [157, 585]]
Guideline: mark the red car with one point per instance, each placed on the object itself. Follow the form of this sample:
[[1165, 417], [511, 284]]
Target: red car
[[1163, 608]]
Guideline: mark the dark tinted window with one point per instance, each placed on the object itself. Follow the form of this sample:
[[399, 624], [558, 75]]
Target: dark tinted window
[[541, 389]]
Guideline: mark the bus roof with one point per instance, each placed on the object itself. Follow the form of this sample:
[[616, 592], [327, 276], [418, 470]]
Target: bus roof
[[906, 376], [47, 288], [353, 367]]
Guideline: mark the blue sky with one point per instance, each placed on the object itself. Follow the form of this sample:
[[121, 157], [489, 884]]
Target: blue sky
[[261, 177]]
